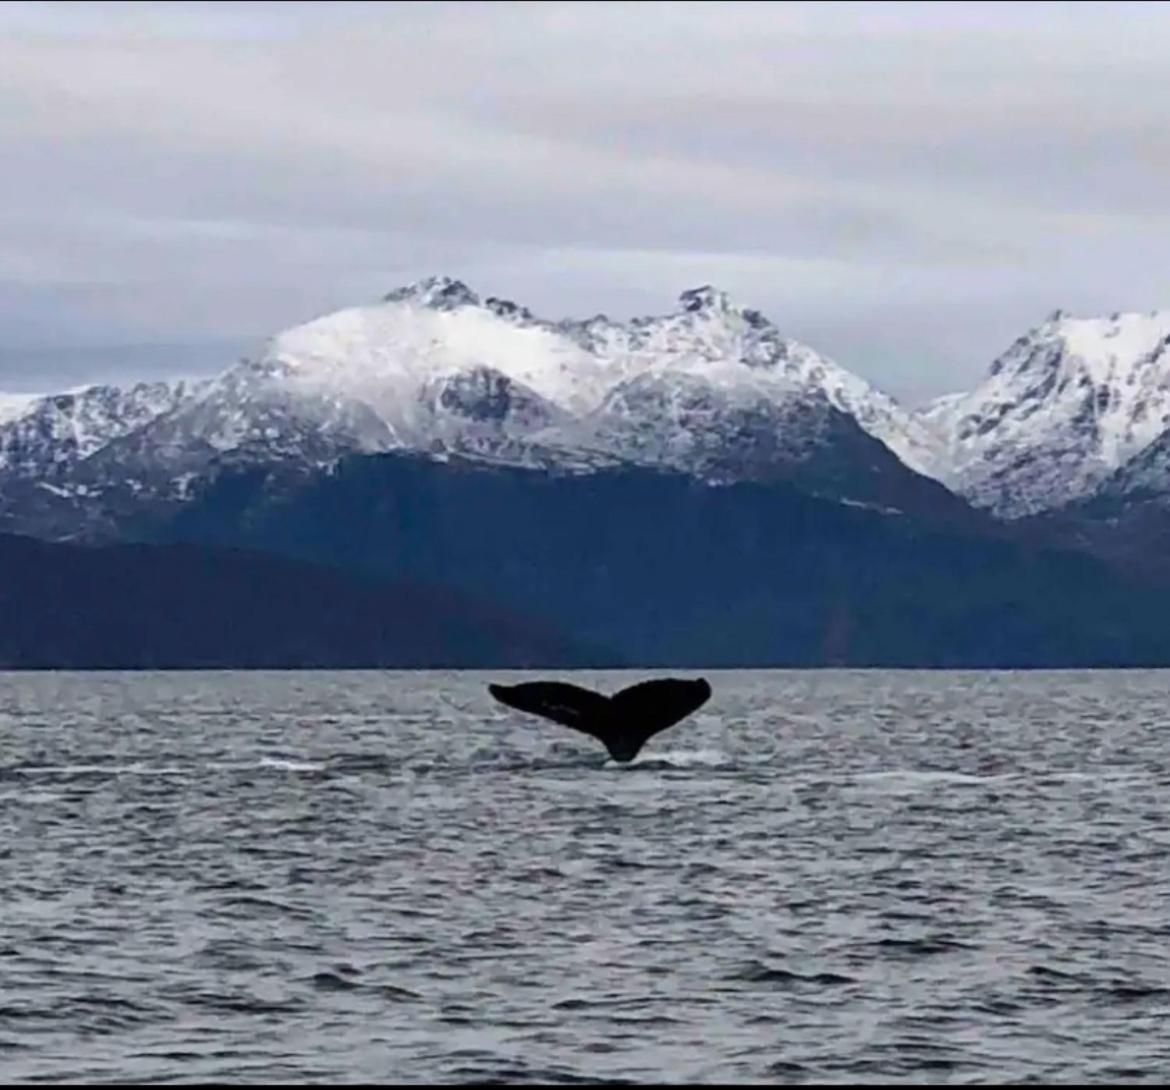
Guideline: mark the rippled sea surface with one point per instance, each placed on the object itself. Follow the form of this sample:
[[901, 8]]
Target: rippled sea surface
[[822, 876]]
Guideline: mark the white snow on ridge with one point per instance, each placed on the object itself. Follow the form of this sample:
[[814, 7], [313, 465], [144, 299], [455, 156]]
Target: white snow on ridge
[[383, 355]]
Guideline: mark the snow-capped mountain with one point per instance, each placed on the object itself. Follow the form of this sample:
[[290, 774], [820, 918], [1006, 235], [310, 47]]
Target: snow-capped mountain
[[711, 389], [1064, 408], [411, 357]]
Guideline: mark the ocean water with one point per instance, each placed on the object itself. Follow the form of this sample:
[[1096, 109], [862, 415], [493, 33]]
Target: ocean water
[[821, 876]]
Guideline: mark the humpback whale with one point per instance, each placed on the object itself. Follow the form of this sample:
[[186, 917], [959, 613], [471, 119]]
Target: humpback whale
[[623, 722]]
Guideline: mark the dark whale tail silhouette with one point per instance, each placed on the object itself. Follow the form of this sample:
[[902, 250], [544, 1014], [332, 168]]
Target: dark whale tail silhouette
[[622, 723]]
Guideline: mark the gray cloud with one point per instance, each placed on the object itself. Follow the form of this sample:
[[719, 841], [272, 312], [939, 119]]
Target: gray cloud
[[903, 185]]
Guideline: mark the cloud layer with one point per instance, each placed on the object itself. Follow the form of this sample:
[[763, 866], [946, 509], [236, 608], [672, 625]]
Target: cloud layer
[[905, 186]]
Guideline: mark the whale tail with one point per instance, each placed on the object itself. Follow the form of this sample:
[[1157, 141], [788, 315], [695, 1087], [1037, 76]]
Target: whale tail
[[624, 722]]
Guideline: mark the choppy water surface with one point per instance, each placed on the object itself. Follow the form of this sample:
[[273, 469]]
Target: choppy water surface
[[821, 876]]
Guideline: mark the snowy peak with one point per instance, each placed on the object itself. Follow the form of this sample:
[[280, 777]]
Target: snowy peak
[[1065, 406], [384, 355], [436, 292], [1113, 370]]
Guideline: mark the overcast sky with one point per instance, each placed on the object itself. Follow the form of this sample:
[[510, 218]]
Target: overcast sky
[[905, 187]]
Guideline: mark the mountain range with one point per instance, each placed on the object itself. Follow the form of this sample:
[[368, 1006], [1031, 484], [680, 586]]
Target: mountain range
[[362, 439]]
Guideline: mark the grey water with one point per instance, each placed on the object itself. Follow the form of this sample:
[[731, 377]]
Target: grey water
[[821, 876]]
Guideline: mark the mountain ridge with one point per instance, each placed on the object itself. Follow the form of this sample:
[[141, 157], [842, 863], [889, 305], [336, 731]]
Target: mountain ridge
[[710, 388]]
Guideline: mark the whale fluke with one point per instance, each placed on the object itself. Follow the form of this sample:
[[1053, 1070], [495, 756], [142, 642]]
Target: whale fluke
[[622, 722]]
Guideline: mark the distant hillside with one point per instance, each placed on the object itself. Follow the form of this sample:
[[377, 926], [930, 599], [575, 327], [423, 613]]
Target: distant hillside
[[188, 607], [668, 571]]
